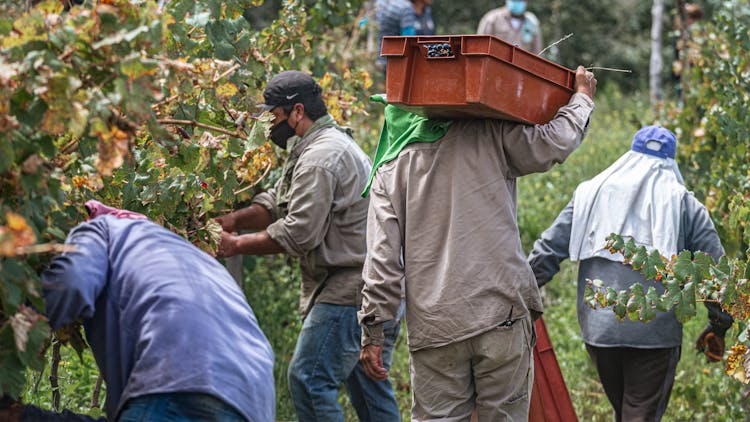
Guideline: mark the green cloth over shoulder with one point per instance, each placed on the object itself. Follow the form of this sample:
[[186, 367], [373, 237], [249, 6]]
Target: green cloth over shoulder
[[400, 129]]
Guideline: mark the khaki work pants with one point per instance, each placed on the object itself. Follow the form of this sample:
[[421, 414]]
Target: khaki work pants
[[492, 372]]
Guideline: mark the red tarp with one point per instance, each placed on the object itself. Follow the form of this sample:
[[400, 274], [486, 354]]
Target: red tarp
[[550, 401]]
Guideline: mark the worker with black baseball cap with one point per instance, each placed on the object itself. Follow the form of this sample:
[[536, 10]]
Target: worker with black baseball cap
[[282, 95], [315, 213]]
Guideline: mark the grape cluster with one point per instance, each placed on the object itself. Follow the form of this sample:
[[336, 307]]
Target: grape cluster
[[439, 50]]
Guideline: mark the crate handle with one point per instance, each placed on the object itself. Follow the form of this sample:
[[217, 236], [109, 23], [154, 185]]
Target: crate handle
[[438, 50], [393, 46]]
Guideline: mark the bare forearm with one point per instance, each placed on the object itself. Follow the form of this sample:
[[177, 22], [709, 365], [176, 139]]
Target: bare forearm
[[259, 243], [254, 217]]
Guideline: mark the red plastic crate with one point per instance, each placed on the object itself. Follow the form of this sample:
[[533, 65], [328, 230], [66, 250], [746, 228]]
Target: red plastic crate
[[550, 400], [481, 77]]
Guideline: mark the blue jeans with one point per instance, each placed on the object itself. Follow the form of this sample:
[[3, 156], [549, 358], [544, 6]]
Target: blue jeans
[[327, 354], [178, 407]]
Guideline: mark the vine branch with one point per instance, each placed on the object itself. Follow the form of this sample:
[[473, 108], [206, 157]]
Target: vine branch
[[44, 248], [53, 380], [227, 72], [609, 68], [252, 185], [200, 125], [555, 43], [97, 391]]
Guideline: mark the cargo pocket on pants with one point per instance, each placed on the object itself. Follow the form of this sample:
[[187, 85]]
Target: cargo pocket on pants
[[523, 389]]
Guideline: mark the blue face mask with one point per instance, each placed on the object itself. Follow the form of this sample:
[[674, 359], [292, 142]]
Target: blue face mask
[[516, 7]]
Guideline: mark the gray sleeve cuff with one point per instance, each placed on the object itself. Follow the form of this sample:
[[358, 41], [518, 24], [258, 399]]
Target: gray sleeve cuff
[[267, 200], [583, 99], [588, 105], [280, 233], [372, 334]]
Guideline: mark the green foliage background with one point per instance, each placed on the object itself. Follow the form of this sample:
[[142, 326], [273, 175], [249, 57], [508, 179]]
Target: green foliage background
[[163, 175]]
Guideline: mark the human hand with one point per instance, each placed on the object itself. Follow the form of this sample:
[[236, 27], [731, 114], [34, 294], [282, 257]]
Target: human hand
[[710, 345], [371, 357], [227, 245], [585, 82], [227, 222]]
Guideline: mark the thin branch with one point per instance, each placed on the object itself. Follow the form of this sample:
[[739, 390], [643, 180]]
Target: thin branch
[[708, 301], [229, 112], [190, 33], [97, 391], [44, 248], [67, 53], [555, 43], [164, 101], [198, 124], [252, 185], [107, 80], [122, 121], [257, 56], [355, 33], [41, 375], [69, 147], [53, 375], [227, 72], [610, 69]]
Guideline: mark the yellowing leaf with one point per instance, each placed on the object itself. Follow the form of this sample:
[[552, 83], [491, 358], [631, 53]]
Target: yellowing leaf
[[226, 90], [53, 121], [22, 322], [16, 222], [51, 6], [80, 181], [214, 232], [16, 234], [78, 119], [134, 68], [112, 147], [737, 363], [365, 78], [72, 118], [28, 28], [7, 248], [326, 81]]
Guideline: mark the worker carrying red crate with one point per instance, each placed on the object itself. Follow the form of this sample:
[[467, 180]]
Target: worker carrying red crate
[[442, 223]]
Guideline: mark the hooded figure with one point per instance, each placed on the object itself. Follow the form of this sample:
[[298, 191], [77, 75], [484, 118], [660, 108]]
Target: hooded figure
[[641, 196], [647, 188]]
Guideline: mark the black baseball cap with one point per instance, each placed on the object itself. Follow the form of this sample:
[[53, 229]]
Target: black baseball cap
[[288, 88]]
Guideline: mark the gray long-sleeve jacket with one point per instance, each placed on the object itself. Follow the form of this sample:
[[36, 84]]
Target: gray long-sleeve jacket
[[450, 206], [600, 327], [320, 215]]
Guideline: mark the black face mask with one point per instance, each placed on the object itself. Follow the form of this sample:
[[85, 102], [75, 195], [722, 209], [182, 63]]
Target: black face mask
[[281, 133]]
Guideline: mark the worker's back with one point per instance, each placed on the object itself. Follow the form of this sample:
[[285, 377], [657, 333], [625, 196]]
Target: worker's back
[[161, 316]]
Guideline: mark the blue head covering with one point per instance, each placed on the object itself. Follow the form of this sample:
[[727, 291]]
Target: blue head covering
[[656, 141]]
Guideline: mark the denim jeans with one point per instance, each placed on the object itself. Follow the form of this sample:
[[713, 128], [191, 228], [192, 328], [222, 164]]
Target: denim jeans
[[178, 407], [327, 355]]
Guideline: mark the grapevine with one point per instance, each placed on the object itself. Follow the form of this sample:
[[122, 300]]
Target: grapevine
[[140, 107]]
